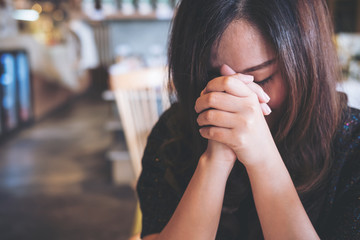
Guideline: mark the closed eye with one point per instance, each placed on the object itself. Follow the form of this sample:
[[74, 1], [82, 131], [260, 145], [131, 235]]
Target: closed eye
[[265, 81]]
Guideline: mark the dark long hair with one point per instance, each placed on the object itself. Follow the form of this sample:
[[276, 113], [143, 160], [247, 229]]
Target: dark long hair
[[301, 33]]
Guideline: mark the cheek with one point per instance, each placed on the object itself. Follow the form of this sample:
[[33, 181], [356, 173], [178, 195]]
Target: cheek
[[277, 91]]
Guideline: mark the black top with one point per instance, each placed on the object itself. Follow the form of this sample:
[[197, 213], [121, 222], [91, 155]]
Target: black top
[[339, 213]]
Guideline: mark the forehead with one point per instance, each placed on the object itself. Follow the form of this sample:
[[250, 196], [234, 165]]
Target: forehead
[[241, 46]]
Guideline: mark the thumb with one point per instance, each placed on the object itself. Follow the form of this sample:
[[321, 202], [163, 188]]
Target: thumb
[[225, 70]]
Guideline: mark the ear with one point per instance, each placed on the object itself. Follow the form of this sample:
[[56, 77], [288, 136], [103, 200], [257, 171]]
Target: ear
[[225, 70]]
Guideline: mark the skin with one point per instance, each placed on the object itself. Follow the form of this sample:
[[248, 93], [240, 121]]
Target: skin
[[231, 113], [247, 51]]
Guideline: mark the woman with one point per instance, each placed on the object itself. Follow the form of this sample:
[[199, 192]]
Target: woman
[[259, 144]]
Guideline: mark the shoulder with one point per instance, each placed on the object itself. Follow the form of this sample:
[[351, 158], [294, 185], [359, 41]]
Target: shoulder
[[340, 216], [157, 191], [347, 150], [345, 174], [347, 144], [163, 131], [166, 146], [168, 150], [350, 127], [154, 166], [162, 128], [347, 138]]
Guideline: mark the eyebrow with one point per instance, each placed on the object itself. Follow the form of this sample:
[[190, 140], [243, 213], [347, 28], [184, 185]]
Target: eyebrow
[[260, 66], [247, 70]]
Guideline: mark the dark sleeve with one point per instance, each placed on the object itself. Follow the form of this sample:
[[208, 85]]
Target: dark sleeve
[[158, 199], [344, 220]]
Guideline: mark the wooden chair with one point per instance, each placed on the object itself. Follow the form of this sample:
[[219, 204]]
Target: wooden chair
[[140, 97]]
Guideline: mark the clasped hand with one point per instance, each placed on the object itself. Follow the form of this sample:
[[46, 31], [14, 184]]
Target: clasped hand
[[231, 112]]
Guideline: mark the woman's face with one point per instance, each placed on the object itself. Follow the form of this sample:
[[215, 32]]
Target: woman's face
[[244, 49]]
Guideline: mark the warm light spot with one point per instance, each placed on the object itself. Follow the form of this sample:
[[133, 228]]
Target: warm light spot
[[37, 7]]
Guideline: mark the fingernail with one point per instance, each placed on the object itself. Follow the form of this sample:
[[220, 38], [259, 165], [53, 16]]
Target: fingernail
[[266, 109], [265, 96]]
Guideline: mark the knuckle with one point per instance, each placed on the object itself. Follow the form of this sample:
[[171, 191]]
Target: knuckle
[[209, 115], [251, 108], [227, 82], [241, 141], [212, 99], [248, 124], [214, 133]]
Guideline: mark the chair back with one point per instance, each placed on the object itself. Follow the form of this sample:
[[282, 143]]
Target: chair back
[[141, 97]]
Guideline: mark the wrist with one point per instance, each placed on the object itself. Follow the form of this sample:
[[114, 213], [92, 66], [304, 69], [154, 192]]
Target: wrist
[[216, 163], [260, 159], [272, 165]]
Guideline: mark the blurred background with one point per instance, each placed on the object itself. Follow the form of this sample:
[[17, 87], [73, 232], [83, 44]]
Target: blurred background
[[81, 84]]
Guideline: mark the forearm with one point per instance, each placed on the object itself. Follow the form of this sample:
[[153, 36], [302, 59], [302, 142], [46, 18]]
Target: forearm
[[281, 213], [198, 213]]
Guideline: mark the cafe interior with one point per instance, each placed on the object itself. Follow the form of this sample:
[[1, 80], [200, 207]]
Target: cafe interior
[[82, 82]]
